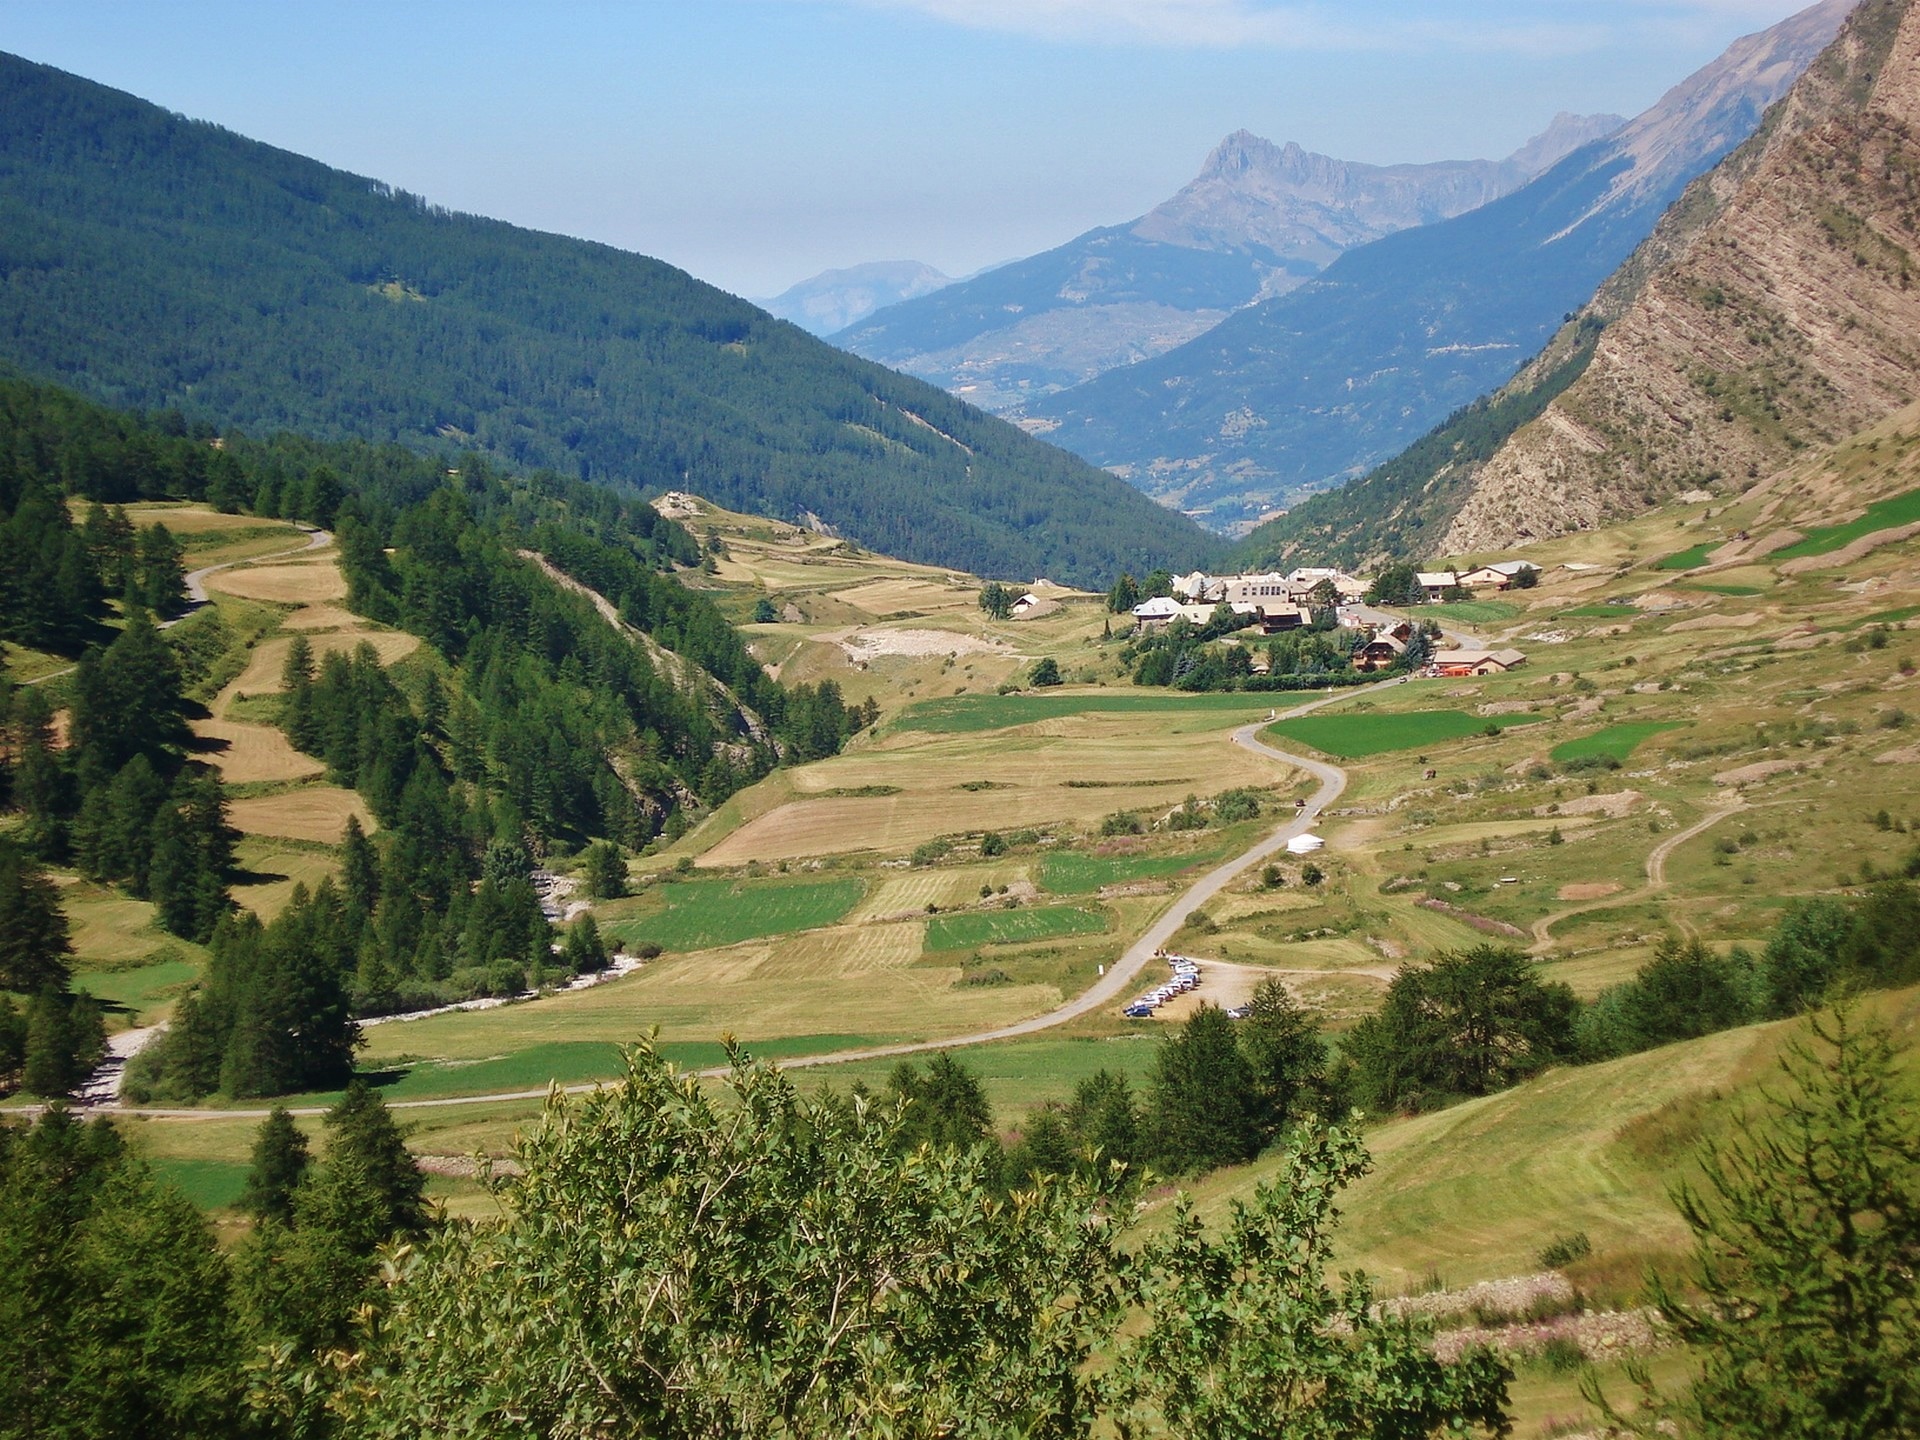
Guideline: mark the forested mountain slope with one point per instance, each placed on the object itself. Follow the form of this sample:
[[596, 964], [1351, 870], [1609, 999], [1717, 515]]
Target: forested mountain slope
[[1296, 393], [1774, 312], [153, 260]]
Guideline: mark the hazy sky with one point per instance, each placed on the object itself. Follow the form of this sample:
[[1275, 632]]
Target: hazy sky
[[755, 142]]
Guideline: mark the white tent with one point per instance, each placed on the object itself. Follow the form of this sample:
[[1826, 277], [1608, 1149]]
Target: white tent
[[1304, 844]]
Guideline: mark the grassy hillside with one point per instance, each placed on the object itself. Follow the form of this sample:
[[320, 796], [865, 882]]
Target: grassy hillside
[[156, 261]]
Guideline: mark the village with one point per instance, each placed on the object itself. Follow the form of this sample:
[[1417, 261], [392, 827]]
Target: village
[[1275, 603]]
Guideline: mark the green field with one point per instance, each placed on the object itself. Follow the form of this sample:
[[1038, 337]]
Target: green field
[[1689, 559], [138, 988], [209, 1184], [1881, 515], [1739, 592], [570, 1062], [702, 914], [1354, 737], [1619, 741], [1068, 873], [1011, 927], [1469, 612], [970, 714], [1601, 612]]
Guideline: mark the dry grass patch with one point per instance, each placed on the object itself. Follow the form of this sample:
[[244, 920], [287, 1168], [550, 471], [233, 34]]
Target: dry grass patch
[[255, 753], [1028, 766], [262, 675], [315, 812], [279, 868], [293, 584], [893, 596]]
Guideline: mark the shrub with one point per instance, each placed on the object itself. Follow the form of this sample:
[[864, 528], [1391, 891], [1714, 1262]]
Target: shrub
[[1241, 803], [931, 852], [1564, 1250], [1121, 822]]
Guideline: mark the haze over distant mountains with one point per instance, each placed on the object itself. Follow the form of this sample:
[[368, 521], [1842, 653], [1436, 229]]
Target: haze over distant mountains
[[835, 299], [1257, 221], [1300, 392]]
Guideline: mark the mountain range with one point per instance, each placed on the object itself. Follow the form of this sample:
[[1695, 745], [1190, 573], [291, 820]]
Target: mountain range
[[1769, 315], [150, 260], [1300, 392], [1259, 220]]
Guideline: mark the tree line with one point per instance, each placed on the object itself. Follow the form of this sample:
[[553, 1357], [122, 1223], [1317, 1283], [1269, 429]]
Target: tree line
[[667, 1261]]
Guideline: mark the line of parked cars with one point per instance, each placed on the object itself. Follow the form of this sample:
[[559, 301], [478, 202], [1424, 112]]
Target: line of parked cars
[[1185, 977]]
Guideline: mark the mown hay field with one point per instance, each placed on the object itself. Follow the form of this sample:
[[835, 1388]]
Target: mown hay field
[[303, 583], [1069, 769], [313, 812], [254, 754]]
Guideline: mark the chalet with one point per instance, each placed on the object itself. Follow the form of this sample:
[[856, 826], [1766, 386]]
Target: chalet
[[1276, 619], [1199, 588], [1434, 584], [1455, 663], [1501, 576], [1152, 614], [1380, 653]]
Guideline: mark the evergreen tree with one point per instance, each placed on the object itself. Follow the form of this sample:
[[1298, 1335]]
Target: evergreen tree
[[359, 868], [1201, 1106], [605, 871], [65, 1039], [114, 1314], [1286, 1059], [1103, 1118], [34, 940], [944, 1105], [280, 1159], [584, 951], [361, 1130]]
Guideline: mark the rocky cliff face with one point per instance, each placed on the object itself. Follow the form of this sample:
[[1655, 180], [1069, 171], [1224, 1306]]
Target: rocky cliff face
[[1774, 309]]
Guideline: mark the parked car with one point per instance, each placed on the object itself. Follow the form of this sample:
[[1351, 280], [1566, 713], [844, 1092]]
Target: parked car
[[1139, 1010]]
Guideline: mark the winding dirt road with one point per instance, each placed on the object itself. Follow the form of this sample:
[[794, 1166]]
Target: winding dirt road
[[1121, 976], [1656, 881]]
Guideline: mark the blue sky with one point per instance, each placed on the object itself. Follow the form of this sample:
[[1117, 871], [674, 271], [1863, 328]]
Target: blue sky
[[755, 142]]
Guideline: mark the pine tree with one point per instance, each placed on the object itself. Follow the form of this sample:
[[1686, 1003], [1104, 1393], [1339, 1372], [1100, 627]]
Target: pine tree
[[1200, 1101], [1285, 1056], [34, 940], [359, 868], [361, 1130], [280, 1159]]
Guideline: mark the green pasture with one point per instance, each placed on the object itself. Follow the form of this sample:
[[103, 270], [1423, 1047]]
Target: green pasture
[[1011, 927], [1019, 1076], [1354, 737], [970, 714], [573, 1062], [1600, 612], [140, 988], [702, 914], [1619, 741], [209, 1184], [1069, 873], [1881, 515], [1739, 592], [1470, 612], [1691, 558]]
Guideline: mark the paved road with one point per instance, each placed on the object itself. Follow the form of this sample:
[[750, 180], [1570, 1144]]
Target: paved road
[[1120, 978]]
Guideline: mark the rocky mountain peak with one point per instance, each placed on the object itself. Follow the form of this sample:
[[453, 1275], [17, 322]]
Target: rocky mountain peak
[[1770, 315]]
